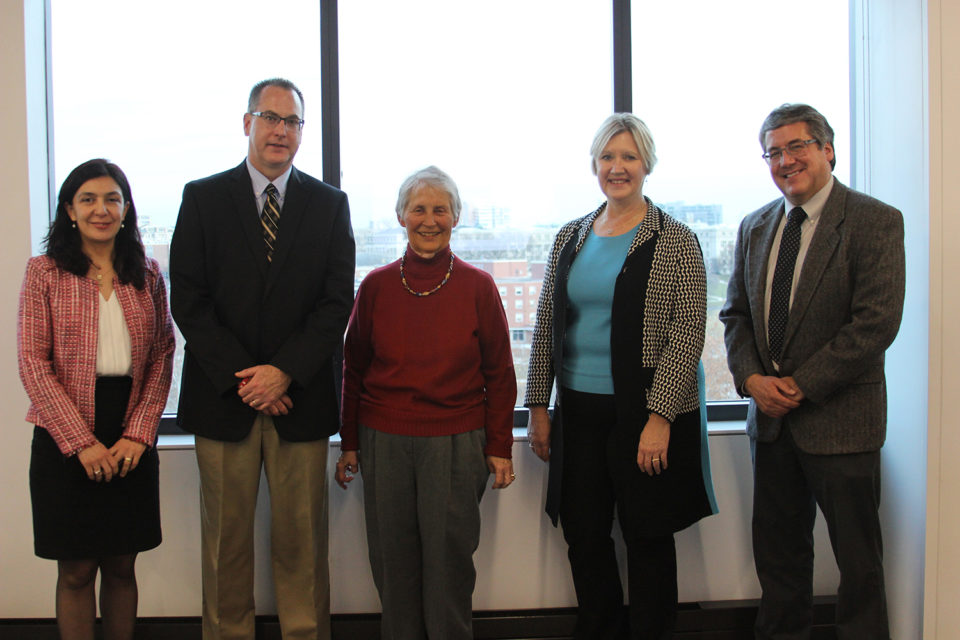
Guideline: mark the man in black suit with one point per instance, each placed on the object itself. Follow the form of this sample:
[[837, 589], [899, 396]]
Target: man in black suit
[[814, 301], [261, 270]]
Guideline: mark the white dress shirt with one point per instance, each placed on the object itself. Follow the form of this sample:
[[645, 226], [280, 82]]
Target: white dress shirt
[[813, 208], [113, 339]]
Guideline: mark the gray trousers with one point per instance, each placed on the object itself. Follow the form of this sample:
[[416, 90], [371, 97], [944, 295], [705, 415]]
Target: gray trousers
[[422, 505]]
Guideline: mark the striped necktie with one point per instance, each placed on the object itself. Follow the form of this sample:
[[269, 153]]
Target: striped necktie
[[270, 219]]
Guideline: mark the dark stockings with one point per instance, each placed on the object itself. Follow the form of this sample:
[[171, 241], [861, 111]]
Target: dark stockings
[[76, 599]]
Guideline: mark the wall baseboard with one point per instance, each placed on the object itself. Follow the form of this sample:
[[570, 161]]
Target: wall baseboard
[[721, 620]]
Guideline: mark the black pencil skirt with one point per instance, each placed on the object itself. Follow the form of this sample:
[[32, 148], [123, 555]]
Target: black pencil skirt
[[76, 518]]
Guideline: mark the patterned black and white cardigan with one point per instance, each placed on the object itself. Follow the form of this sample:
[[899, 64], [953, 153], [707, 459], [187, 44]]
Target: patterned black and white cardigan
[[674, 312]]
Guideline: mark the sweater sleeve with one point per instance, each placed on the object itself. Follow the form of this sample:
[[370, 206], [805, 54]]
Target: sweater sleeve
[[500, 380], [540, 371], [57, 411], [357, 354], [676, 370]]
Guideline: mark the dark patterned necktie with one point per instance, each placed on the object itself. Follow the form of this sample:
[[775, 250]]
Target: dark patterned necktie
[[270, 219], [783, 282]]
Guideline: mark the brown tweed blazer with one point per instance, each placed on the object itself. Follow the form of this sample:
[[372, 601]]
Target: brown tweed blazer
[[846, 312]]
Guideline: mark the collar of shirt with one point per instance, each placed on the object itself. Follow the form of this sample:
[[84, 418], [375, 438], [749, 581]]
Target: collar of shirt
[[812, 207], [261, 181]]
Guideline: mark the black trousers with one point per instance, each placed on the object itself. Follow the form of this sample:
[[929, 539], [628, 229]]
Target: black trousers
[[788, 486], [588, 501]]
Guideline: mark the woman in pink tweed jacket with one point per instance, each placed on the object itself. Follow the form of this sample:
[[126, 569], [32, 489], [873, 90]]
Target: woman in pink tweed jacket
[[95, 350]]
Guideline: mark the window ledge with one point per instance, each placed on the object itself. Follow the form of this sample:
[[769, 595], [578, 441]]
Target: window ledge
[[173, 442]]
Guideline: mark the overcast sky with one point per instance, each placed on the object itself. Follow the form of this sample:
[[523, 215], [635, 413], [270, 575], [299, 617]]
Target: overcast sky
[[505, 95]]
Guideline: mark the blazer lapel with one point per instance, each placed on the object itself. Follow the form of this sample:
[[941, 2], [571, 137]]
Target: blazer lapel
[[762, 236], [245, 206], [294, 208], [822, 247]]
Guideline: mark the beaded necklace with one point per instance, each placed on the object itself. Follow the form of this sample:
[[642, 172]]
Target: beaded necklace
[[422, 294]]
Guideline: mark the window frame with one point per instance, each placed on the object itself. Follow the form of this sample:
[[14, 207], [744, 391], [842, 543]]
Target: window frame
[[622, 101], [717, 411]]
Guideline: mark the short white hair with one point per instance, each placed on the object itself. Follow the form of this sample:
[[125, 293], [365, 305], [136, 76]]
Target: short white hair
[[434, 177]]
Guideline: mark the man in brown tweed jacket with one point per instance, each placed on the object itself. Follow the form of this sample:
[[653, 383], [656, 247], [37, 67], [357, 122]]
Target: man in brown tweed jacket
[[808, 317]]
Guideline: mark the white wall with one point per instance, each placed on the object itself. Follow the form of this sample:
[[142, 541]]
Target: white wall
[[522, 559]]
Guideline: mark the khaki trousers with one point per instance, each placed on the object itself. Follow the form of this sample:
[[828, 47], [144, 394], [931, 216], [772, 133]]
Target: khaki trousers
[[229, 482]]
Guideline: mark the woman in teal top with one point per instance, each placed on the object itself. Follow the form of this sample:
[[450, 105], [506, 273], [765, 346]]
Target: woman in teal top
[[586, 345], [620, 327]]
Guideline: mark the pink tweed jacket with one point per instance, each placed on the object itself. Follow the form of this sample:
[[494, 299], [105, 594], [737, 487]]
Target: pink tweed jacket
[[57, 352]]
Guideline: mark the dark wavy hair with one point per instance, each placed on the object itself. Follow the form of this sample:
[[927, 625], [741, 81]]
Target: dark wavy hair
[[63, 243], [818, 127]]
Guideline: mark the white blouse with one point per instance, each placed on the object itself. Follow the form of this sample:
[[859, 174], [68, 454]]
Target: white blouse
[[113, 340]]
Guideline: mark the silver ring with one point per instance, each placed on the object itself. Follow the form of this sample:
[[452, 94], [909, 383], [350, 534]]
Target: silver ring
[[97, 472]]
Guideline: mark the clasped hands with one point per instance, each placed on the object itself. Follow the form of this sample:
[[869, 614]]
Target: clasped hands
[[264, 388], [102, 464], [774, 396]]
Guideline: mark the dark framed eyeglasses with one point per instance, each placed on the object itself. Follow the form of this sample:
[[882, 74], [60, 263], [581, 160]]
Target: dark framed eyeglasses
[[272, 120]]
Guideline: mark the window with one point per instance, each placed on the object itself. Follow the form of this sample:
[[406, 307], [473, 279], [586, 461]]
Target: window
[[485, 99], [481, 112], [116, 96], [705, 109]]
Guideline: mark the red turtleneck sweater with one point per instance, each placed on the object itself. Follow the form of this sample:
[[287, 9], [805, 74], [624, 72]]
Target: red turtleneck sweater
[[433, 365]]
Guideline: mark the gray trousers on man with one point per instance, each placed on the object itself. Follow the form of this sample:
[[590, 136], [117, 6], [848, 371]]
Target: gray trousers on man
[[422, 505]]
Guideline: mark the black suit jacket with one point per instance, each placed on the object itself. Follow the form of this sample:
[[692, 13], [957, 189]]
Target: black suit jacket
[[236, 309]]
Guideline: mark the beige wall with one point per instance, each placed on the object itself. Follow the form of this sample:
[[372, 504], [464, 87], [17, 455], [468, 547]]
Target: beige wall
[[16, 542], [942, 579]]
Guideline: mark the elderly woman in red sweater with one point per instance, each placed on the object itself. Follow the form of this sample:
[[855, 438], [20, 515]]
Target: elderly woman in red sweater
[[428, 397]]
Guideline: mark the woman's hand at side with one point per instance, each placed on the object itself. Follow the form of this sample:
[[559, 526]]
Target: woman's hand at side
[[126, 453], [347, 465], [652, 450], [538, 431], [98, 463], [502, 469]]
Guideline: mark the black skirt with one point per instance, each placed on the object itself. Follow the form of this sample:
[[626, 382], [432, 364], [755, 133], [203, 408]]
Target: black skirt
[[76, 518]]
